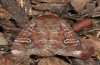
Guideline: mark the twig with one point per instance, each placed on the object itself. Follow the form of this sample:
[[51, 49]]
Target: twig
[[98, 34]]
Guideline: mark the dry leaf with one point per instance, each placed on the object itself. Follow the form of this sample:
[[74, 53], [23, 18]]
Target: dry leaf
[[3, 41], [95, 41], [52, 61], [59, 1], [5, 61], [49, 6], [79, 4], [4, 14]]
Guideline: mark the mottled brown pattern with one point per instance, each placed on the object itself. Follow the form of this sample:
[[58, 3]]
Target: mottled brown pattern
[[48, 35]]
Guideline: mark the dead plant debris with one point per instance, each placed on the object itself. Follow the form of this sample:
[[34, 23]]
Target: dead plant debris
[[82, 15]]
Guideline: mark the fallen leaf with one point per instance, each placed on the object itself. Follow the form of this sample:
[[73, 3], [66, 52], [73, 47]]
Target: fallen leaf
[[52, 61], [3, 41], [79, 4], [53, 7], [95, 41], [59, 1]]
